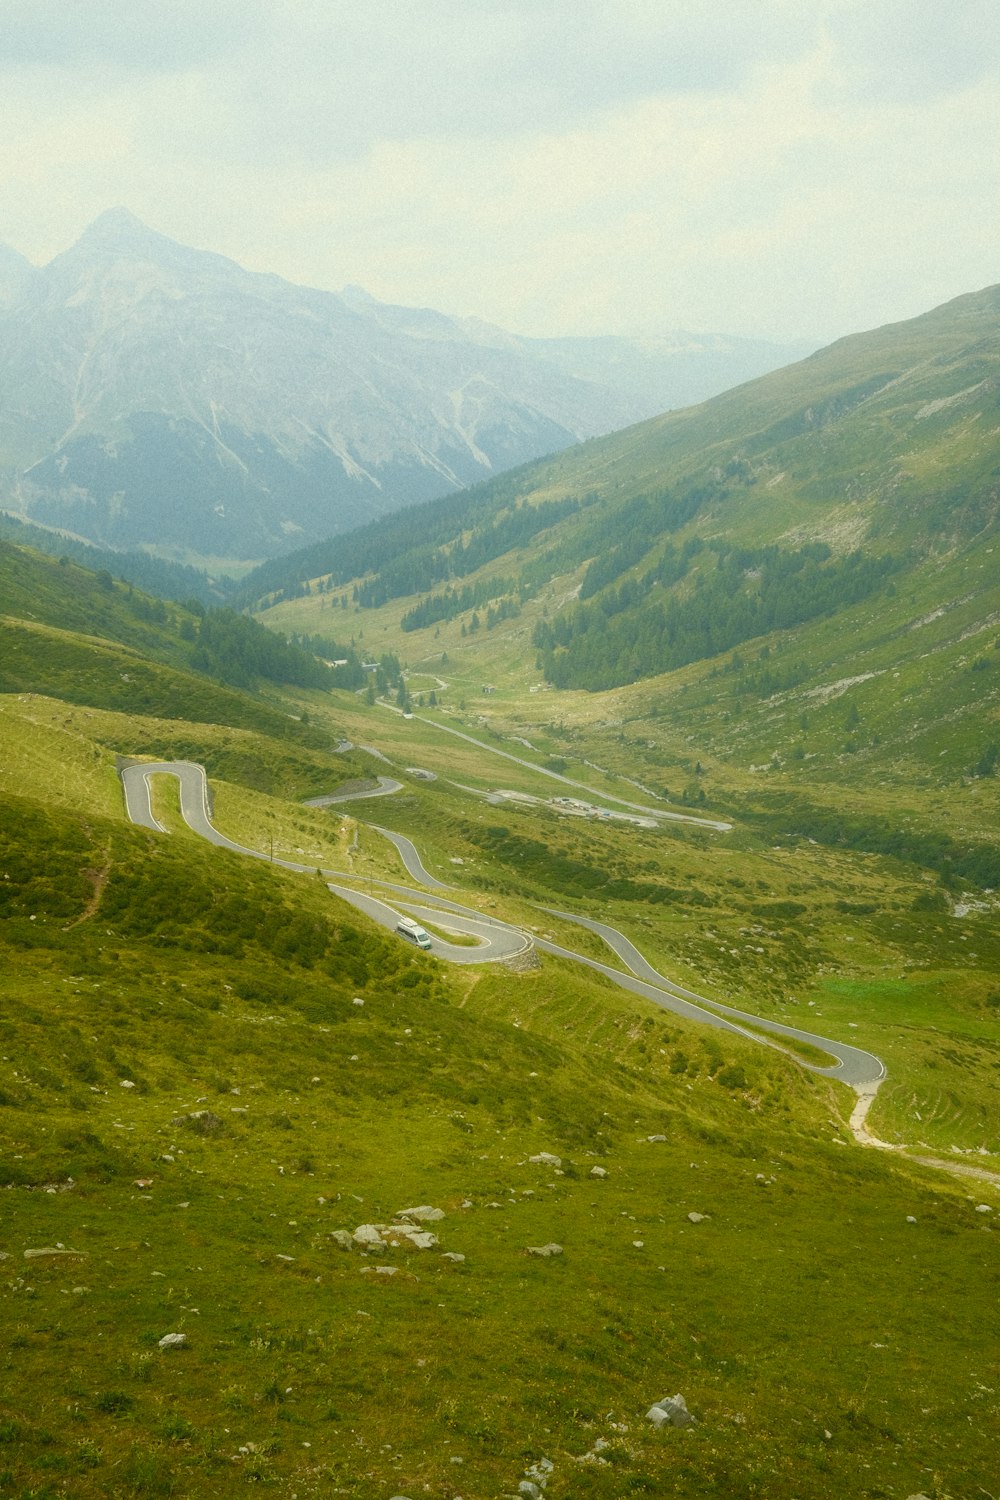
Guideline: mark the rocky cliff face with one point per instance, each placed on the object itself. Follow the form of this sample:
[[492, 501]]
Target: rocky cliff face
[[155, 395]]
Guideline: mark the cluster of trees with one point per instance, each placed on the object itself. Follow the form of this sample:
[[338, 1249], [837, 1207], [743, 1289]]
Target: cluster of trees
[[418, 570], [496, 592], [152, 574], [350, 674], [634, 631], [240, 652], [377, 547], [620, 541]]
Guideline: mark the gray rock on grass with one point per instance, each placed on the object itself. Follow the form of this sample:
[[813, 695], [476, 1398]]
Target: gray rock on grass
[[48, 1252], [369, 1236], [420, 1239], [672, 1410]]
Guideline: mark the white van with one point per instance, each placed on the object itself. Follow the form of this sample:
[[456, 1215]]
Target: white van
[[407, 928]]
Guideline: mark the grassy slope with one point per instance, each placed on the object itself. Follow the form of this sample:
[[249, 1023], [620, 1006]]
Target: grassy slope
[[879, 716], [191, 973], [306, 1369]]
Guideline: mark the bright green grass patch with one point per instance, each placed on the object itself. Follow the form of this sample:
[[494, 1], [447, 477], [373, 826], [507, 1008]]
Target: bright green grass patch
[[939, 1034]]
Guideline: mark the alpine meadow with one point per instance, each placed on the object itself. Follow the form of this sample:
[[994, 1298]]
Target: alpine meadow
[[672, 1165]]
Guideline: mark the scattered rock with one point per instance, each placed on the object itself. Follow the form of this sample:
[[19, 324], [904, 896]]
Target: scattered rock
[[910, 1219], [379, 1236], [656, 1140], [203, 1121], [597, 1172], [49, 1251], [143, 1182], [536, 1477], [357, 1001], [420, 1239], [368, 1235], [523, 962], [638, 1244], [545, 1250], [172, 1341], [545, 1159], [422, 1215], [379, 1270], [5, 1255], [125, 1083], [696, 1218], [672, 1409], [595, 1454], [453, 1255], [983, 1208], [288, 1259]]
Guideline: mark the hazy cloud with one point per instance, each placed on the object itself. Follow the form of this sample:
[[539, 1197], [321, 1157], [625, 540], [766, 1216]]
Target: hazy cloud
[[130, 35], [746, 165]]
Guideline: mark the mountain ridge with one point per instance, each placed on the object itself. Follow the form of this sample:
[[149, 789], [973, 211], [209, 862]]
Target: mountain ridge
[[812, 451], [157, 395]]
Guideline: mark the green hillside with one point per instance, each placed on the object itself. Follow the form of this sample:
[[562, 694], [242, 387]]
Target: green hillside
[[196, 1112], [192, 1103], [885, 435], [752, 604]]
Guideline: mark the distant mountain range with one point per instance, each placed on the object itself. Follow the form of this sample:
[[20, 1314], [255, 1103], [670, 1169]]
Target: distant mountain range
[[152, 395]]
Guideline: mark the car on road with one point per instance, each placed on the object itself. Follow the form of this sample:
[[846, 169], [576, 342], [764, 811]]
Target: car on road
[[413, 930]]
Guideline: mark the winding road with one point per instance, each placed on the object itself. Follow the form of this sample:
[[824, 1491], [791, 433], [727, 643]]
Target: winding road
[[497, 940]]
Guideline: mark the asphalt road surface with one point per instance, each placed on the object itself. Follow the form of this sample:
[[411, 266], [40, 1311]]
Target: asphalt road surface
[[496, 941], [499, 940]]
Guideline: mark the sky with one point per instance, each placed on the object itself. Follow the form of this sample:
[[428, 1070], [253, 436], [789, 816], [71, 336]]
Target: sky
[[781, 169]]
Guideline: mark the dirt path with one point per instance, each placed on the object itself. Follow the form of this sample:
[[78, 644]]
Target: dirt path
[[98, 880], [863, 1136]]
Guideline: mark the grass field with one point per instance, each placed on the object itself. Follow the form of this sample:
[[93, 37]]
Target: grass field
[[209, 1118], [193, 1107]]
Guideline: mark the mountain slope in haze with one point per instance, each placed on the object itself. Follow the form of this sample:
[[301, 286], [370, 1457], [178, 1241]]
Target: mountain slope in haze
[[829, 529], [882, 439], [156, 395]]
